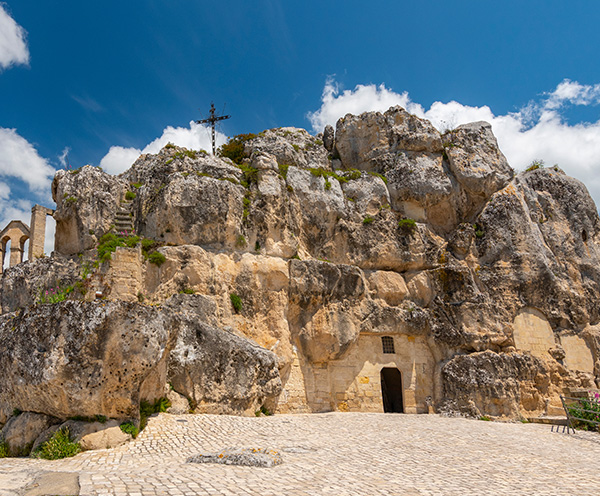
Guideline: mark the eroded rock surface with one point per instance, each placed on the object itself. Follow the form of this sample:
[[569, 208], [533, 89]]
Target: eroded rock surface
[[302, 258], [102, 358]]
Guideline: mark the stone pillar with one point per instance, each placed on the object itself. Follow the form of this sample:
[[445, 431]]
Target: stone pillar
[[16, 253], [38, 231]]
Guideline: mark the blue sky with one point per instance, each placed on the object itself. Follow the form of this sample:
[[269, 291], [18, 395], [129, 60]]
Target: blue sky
[[104, 81]]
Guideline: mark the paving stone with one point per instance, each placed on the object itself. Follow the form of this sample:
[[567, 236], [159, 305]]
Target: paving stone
[[335, 453]]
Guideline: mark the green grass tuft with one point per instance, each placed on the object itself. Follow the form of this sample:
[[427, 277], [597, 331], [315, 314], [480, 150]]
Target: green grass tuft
[[147, 409], [4, 449], [283, 170], [130, 428], [236, 302], [407, 225], [58, 446], [380, 176], [535, 164], [157, 258]]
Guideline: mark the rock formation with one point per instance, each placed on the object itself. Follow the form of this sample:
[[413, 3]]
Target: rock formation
[[318, 265]]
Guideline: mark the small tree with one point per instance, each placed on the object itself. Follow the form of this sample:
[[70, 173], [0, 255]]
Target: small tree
[[234, 148]]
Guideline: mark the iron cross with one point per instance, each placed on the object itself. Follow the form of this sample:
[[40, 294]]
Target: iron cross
[[212, 120]]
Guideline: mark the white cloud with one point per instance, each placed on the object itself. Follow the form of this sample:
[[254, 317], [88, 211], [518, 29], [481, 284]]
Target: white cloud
[[119, 159], [196, 137], [88, 103], [536, 132], [362, 99], [572, 92], [21, 160], [64, 157], [13, 47]]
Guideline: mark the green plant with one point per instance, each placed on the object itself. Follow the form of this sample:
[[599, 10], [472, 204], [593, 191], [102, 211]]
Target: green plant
[[241, 241], [283, 170], [96, 418], [136, 185], [368, 220], [4, 449], [131, 241], [16, 412], [236, 302], [109, 242], [130, 196], [380, 176], [58, 446], [263, 410], [169, 145], [230, 179], [535, 164], [54, 295], [257, 246], [586, 409], [147, 409], [486, 418], [326, 174], [479, 233], [249, 176], [234, 148], [157, 258], [147, 246], [70, 200], [187, 291], [130, 428], [141, 297], [407, 225], [353, 174], [296, 147]]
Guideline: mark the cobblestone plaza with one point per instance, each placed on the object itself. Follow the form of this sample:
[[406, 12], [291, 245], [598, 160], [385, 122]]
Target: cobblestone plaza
[[327, 454]]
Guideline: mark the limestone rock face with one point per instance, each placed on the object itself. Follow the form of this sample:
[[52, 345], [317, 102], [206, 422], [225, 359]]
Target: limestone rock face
[[539, 240], [24, 284], [431, 177], [291, 146], [323, 302], [21, 431], [474, 384], [475, 159], [382, 244], [87, 200], [102, 358], [221, 372], [76, 358]]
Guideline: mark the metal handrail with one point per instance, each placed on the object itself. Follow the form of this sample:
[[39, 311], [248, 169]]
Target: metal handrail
[[570, 417]]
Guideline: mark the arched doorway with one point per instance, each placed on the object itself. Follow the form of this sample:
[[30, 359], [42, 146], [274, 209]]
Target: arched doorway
[[391, 390]]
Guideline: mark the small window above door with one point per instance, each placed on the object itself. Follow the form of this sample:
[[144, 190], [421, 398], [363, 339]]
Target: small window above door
[[387, 342]]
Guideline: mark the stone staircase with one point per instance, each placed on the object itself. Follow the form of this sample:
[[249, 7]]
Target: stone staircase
[[124, 218]]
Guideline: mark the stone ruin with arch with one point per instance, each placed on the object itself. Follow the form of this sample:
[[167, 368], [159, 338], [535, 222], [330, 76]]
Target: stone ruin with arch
[[18, 233]]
